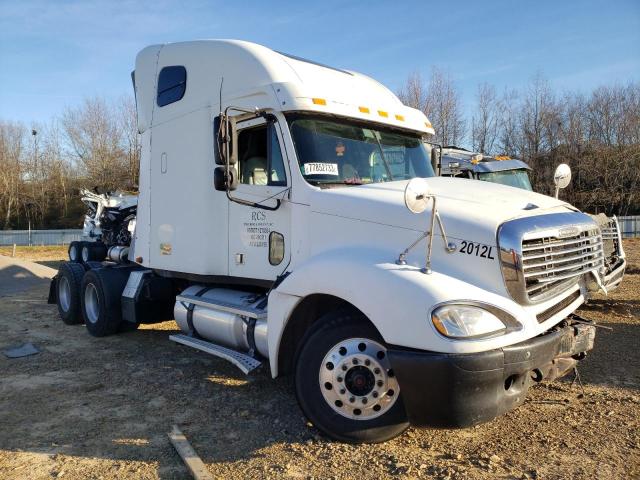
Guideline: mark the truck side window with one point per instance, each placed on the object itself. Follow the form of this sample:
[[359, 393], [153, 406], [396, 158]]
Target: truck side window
[[172, 83], [277, 176], [259, 157]]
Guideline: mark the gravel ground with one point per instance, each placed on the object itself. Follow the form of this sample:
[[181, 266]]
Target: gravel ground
[[100, 408]]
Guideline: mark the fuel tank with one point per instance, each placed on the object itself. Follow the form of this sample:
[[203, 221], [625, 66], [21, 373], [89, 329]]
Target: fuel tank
[[220, 326]]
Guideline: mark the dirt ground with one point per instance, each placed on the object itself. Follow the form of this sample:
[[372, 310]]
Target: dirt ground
[[51, 255], [89, 408]]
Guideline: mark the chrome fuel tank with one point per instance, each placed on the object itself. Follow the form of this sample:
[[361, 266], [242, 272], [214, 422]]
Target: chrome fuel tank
[[218, 325]]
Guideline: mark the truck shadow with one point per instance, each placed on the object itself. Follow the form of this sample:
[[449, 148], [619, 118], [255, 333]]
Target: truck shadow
[[15, 279]]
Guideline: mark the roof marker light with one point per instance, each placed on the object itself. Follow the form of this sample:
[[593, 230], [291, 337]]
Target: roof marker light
[[382, 113], [428, 125], [363, 109], [400, 118], [319, 101]]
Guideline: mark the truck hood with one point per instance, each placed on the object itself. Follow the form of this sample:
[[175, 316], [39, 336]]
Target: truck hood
[[466, 207]]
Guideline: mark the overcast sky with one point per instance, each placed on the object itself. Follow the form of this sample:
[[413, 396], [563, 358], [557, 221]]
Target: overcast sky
[[53, 53]]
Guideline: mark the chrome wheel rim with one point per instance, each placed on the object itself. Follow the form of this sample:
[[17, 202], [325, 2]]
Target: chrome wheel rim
[[85, 254], [73, 253], [64, 294], [91, 303], [356, 379]]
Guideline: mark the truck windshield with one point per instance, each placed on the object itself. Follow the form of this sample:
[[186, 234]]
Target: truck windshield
[[513, 178], [344, 152]]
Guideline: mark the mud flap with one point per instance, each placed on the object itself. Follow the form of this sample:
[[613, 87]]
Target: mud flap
[[53, 291]]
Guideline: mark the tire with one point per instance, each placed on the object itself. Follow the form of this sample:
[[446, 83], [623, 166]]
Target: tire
[[100, 300], [75, 250], [93, 251], [68, 286], [335, 401]]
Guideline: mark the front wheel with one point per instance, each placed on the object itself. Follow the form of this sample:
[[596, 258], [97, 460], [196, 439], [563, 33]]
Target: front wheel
[[344, 382]]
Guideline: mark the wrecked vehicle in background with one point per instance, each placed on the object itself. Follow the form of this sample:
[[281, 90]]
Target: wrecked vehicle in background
[[108, 226]]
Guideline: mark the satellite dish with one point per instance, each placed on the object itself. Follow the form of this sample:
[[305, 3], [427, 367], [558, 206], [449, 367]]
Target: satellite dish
[[417, 195], [562, 176]]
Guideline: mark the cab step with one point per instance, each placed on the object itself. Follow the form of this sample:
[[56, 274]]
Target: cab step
[[244, 362], [242, 310]]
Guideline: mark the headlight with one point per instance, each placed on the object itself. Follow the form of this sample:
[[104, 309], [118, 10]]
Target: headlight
[[466, 321]]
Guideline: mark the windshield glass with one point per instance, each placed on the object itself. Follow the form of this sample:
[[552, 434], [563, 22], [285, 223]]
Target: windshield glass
[[345, 152], [513, 178]]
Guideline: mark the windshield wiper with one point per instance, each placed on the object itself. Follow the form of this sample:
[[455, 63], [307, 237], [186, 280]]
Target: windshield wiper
[[384, 159]]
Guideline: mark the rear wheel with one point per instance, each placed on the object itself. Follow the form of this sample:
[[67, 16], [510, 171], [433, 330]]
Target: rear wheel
[[93, 251], [75, 251], [344, 382], [100, 300], [68, 287]]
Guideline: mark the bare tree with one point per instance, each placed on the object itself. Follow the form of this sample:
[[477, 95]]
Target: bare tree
[[12, 138], [484, 129], [95, 137], [130, 138], [443, 106], [414, 92], [536, 110], [509, 133]]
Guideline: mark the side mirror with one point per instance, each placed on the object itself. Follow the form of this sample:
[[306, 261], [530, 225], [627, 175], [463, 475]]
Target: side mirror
[[562, 177], [417, 195], [435, 159], [223, 182], [230, 134]]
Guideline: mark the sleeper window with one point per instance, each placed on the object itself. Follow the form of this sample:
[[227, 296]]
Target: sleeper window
[[172, 83], [259, 157]]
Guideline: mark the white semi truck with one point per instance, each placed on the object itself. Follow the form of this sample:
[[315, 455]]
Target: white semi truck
[[310, 233]]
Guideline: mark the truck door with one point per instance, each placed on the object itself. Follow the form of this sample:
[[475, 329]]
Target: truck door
[[256, 236]]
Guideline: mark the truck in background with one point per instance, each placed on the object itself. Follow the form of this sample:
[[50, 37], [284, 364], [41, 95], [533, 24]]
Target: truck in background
[[501, 169], [108, 226], [311, 233]]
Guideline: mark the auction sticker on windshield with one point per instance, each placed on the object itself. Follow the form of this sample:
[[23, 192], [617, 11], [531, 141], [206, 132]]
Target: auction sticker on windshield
[[321, 169]]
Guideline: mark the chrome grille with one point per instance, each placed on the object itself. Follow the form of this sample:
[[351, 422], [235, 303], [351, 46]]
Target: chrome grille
[[611, 237], [544, 255], [550, 261]]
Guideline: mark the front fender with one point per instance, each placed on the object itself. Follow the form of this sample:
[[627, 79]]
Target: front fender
[[397, 299]]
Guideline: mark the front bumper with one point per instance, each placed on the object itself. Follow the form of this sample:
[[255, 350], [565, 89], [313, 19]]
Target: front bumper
[[460, 390]]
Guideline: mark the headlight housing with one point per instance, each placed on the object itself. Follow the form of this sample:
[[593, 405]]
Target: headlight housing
[[463, 321]]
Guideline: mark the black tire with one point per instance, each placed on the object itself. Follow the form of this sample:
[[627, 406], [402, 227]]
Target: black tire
[[93, 252], [68, 284], [329, 331], [74, 251], [100, 300]]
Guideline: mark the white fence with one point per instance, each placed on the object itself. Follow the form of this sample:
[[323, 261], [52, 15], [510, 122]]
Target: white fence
[[39, 237], [629, 226]]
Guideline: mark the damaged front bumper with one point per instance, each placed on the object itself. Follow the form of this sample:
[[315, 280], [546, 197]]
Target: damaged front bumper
[[461, 390], [613, 277]]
